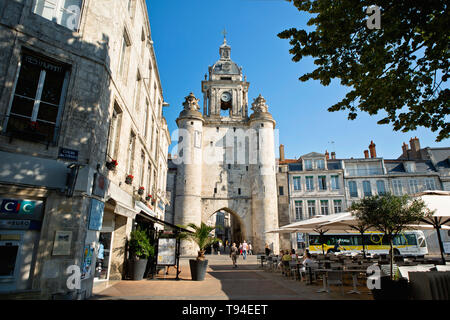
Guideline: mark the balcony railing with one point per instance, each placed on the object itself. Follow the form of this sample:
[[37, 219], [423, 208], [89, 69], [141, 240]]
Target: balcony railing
[[364, 172]]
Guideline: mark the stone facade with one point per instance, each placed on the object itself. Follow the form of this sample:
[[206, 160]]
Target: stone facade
[[95, 66], [226, 158]]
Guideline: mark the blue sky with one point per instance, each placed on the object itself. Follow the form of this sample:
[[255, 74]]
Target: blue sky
[[187, 36]]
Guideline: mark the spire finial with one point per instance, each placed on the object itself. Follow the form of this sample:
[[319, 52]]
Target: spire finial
[[224, 32]]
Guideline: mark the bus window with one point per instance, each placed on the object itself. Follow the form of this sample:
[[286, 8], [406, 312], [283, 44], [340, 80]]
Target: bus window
[[411, 239], [314, 240], [399, 240], [356, 240], [345, 240]]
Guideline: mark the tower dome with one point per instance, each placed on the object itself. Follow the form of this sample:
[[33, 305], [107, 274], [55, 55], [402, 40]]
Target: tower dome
[[225, 66]]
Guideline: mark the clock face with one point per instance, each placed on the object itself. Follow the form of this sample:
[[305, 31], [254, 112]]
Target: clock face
[[226, 96]]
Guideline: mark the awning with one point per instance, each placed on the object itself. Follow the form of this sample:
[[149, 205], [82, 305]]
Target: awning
[[142, 207], [162, 222], [121, 209]]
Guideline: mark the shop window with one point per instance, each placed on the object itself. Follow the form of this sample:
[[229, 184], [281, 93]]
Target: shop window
[[38, 99]]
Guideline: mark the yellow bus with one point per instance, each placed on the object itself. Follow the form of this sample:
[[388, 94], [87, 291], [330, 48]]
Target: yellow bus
[[408, 243]]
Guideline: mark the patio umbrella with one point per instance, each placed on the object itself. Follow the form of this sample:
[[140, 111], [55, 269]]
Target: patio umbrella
[[346, 223], [315, 224], [439, 203]]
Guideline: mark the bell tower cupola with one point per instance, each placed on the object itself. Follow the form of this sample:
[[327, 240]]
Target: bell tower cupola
[[225, 89]]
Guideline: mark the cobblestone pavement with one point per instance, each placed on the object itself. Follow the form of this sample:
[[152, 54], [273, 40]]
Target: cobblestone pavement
[[222, 282]]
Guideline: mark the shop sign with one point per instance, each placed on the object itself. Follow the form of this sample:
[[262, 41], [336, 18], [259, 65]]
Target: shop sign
[[96, 215], [300, 237], [167, 251], [15, 224], [100, 185], [12, 206], [21, 209], [161, 205], [68, 154]]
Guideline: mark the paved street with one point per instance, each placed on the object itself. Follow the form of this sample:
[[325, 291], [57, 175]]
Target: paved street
[[222, 282]]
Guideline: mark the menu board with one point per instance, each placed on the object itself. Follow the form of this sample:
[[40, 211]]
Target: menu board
[[167, 251]]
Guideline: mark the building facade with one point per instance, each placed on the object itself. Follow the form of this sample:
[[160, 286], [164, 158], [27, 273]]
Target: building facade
[[81, 109], [318, 184], [226, 159]]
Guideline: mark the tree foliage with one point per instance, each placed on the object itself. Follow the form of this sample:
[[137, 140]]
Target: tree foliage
[[140, 244], [401, 69], [390, 214], [201, 236]]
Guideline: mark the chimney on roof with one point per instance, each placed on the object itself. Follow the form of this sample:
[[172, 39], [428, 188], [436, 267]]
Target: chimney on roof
[[366, 154], [405, 150], [415, 145], [327, 155], [333, 155], [373, 152], [281, 152]]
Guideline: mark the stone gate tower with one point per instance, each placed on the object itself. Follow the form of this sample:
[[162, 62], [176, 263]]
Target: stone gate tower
[[226, 158]]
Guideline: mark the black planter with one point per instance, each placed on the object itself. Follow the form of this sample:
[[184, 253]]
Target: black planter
[[138, 268], [392, 289], [198, 269], [111, 166], [128, 180], [140, 192]]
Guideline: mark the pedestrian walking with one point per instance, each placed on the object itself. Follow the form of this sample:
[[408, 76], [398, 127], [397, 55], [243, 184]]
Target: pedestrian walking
[[240, 248], [244, 249], [233, 254]]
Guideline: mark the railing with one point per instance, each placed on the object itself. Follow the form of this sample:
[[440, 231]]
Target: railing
[[364, 172], [16, 127]]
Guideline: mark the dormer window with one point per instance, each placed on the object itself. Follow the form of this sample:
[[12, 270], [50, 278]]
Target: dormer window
[[308, 164], [320, 164]]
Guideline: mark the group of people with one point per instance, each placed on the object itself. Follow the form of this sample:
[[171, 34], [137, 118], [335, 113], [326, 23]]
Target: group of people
[[243, 249], [287, 256]]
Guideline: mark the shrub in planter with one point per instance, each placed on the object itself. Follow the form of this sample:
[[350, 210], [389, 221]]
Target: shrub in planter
[[148, 197], [129, 179], [141, 191], [140, 251], [111, 165], [201, 236]]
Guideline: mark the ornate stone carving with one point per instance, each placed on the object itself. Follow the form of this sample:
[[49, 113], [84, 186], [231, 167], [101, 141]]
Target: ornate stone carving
[[191, 103], [259, 104]]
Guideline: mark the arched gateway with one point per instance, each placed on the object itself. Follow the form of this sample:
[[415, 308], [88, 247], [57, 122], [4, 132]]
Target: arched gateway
[[226, 157]]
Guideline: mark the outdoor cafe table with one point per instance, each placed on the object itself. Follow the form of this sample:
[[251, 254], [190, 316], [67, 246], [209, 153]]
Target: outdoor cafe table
[[354, 273], [324, 279]]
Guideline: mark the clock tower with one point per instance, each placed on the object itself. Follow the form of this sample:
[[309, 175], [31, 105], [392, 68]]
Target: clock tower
[[226, 160], [225, 91]]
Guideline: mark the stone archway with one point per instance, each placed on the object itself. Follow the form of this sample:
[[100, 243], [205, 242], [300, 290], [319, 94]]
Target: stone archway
[[229, 226]]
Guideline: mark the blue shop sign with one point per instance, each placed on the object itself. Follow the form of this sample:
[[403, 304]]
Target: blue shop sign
[[96, 215], [68, 154], [161, 205]]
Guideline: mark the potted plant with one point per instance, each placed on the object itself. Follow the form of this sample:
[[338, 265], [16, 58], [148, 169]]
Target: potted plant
[[391, 215], [111, 165], [148, 197], [129, 179], [201, 236], [140, 251], [141, 191]]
